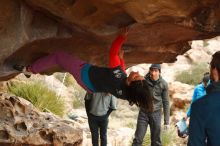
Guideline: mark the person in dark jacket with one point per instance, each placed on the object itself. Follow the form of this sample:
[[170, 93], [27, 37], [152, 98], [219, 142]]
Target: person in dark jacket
[[98, 108], [204, 127], [159, 89]]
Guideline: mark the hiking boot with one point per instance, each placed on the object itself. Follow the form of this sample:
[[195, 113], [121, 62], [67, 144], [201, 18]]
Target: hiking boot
[[23, 69]]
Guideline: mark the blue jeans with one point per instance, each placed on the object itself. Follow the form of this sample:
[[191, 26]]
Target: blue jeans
[[98, 124], [145, 119]]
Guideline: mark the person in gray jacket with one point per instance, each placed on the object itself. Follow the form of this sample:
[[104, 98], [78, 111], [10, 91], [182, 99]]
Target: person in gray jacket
[[159, 89], [98, 108]]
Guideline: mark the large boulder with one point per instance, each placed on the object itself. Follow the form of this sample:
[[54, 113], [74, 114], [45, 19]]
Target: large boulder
[[159, 30], [22, 124]]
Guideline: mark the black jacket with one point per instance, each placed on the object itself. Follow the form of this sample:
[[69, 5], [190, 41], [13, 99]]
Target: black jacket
[[204, 128], [109, 80]]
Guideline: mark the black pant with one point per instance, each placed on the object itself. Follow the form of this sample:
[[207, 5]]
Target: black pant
[[145, 119], [98, 124]]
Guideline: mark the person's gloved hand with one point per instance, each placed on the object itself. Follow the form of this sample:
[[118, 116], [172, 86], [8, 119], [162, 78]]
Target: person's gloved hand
[[166, 127]]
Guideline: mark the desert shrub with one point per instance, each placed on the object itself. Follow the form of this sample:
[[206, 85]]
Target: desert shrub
[[168, 137], [194, 75], [40, 96], [78, 103], [205, 43], [131, 125], [78, 94], [66, 77]]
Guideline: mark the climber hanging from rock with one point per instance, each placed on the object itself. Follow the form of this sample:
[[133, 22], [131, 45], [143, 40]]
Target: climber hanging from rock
[[113, 79]]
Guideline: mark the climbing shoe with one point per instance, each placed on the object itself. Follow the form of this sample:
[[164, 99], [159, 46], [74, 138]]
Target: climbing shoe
[[23, 69]]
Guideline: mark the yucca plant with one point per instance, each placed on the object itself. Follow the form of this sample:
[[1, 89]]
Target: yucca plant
[[40, 96], [192, 76], [78, 103], [66, 78]]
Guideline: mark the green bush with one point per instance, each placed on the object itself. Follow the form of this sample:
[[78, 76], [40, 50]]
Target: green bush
[[131, 125], [40, 96], [79, 94], [68, 80], [78, 103], [168, 137], [205, 43], [194, 75]]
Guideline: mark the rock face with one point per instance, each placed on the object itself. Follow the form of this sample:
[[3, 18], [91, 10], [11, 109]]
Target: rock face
[[159, 30], [21, 124]]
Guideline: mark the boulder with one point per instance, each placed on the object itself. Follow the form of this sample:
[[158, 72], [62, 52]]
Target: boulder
[[159, 30], [180, 94], [22, 124]]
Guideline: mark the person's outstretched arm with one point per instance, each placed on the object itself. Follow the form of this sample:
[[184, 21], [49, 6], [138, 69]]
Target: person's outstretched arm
[[115, 56]]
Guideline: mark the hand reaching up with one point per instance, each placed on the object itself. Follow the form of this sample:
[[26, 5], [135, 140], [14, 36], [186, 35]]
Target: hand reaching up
[[124, 31]]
